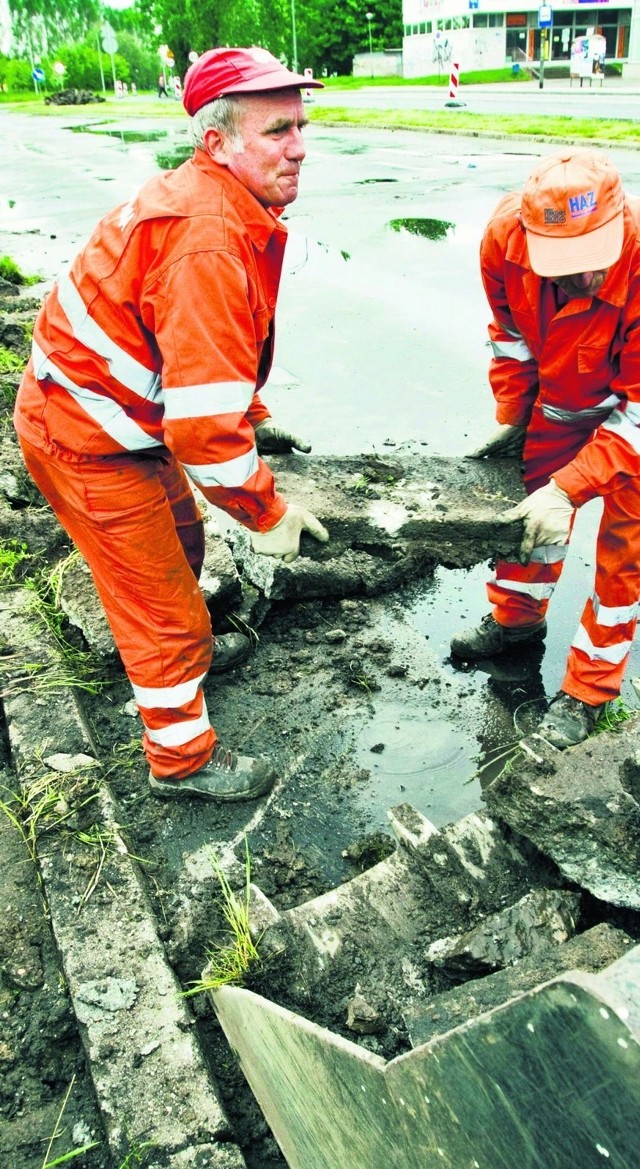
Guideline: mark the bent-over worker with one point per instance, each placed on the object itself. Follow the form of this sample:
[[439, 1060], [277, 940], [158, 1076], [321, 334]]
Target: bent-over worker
[[148, 357]]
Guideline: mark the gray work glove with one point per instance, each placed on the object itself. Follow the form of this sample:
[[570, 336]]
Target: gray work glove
[[273, 440], [505, 442], [283, 539], [547, 516]]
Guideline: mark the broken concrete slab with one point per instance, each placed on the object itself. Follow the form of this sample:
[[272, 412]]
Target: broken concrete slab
[[540, 918], [591, 951], [492, 1092], [149, 1074], [578, 807], [388, 520], [370, 933]]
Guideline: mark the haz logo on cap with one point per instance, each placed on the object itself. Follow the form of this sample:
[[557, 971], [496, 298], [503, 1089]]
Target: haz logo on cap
[[580, 205]]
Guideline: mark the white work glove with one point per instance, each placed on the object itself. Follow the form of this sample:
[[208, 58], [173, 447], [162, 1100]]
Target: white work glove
[[547, 515], [505, 442], [283, 540], [273, 440]]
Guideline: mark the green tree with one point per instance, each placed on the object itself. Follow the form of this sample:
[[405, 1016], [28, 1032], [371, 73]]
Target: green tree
[[330, 32], [39, 26]]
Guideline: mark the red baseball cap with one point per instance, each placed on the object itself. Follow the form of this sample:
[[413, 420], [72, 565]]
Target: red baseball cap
[[573, 212], [223, 71]]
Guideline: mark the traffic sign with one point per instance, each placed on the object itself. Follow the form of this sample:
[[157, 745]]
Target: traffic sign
[[545, 16], [37, 74], [109, 39]]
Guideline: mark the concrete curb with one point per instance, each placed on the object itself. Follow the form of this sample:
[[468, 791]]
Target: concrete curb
[[149, 1074]]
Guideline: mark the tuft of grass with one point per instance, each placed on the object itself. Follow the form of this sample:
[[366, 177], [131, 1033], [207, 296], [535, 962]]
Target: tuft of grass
[[72, 667], [135, 1155], [12, 554], [229, 963], [10, 272], [614, 715], [10, 362]]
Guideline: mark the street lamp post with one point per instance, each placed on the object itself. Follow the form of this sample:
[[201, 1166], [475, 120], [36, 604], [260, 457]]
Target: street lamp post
[[369, 16], [294, 41]]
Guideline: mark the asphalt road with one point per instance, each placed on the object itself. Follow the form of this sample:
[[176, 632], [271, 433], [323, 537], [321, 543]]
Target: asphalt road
[[612, 99]]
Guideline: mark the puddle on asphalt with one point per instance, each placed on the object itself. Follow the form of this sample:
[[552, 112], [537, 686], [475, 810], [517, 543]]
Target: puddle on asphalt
[[127, 137], [433, 229]]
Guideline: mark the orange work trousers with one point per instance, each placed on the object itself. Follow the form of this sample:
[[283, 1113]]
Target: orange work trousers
[[135, 520], [520, 593]]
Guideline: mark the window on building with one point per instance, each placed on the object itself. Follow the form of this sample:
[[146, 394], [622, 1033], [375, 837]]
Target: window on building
[[480, 20], [460, 22], [496, 19]]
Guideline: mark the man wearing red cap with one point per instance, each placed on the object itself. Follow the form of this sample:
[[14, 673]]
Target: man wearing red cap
[[560, 265], [147, 361]]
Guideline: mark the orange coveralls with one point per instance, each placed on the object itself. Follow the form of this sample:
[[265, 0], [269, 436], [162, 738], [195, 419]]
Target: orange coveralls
[[571, 375], [146, 362]]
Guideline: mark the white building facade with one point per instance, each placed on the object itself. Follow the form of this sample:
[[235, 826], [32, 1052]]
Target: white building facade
[[484, 34]]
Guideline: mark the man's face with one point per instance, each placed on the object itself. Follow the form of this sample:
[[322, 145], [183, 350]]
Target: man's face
[[269, 163], [581, 284]]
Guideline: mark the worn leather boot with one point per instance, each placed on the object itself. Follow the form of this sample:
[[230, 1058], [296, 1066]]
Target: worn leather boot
[[568, 721], [229, 650], [489, 639], [226, 776]]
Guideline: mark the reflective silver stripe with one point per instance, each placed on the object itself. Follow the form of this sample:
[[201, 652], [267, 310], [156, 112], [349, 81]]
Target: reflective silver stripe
[[233, 473], [614, 654], [549, 553], [539, 592], [206, 400], [518, 350], [622, 425], [168, 696], [136, 377], [613, 615], [632, 412], [557, 414], [106, 413], [177, 734]]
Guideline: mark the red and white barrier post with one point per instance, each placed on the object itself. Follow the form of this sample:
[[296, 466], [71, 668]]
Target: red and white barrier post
[[454, 78]]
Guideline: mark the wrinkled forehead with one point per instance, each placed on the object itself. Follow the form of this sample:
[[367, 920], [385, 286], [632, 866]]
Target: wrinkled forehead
[[270, 103]]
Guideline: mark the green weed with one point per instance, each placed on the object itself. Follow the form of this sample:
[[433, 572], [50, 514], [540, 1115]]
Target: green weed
[[241, 626], [10, 271], [613, 716], [10, 362], [135, 1155], [12, 554], [230, 963]]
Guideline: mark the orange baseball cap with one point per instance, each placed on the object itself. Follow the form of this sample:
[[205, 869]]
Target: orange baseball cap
[[573, 211], [219, 72]]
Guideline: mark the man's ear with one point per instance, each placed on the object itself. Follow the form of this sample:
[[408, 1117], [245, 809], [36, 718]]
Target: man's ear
[[217, 146]]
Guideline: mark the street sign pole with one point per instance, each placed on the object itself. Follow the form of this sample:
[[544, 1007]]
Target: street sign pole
[[545, 20]]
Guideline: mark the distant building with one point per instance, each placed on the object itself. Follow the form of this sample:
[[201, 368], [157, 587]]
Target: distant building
[[484, 34]]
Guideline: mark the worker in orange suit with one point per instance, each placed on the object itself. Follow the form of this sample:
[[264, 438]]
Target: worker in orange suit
[[148, 358], [560, 264]]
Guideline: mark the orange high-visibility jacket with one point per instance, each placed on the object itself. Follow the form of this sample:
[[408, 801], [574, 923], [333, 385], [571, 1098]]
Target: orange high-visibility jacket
[[579, 364], [161, 335]]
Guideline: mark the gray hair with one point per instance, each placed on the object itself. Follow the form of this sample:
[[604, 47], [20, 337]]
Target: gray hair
[[223, 114]]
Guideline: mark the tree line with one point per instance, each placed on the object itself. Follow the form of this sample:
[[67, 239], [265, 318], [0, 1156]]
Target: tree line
[[322, 35]]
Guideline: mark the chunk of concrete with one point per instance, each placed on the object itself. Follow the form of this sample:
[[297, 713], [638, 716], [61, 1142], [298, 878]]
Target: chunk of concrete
[[540, 918], [591, 951], [551, 1078], [576, 806], [388, 521]]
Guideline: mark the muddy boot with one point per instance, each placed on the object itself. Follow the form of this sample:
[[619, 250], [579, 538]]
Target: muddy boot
[[489, 639], [226, 776], [229, 650], [568, 721]]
